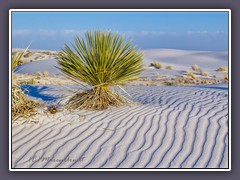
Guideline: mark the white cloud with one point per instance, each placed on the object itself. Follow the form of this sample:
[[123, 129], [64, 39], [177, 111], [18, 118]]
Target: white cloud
[[71, 32], [46, 32], [204, 32], [21, 32]]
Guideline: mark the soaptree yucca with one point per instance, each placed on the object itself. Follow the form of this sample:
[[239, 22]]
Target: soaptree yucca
[[16, 59], [102, 60]]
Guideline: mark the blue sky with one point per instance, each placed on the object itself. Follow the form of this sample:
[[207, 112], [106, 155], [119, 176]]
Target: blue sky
[[171, 30]]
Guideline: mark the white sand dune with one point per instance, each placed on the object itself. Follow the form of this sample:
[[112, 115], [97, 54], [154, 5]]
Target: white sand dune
[[209, 60], [47, 65], [180, 59], [172, 127]]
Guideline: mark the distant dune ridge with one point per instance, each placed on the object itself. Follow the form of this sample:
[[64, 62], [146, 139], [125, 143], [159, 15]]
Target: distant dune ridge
[[205, 59], [169, 127], [181, 59]]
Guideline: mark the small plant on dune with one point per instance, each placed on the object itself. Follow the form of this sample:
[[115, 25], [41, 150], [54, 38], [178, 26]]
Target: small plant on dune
[[102, 60], [32, 81], [28, 54], [223, 68], [145, 79], [39, 74], [45, 74], [14, 53], [225, 77], [170, 67], [47, 52], [195, 68], [202, 73], [16, 59], [157, 65], [21, 105], [39, 57], [190, 74], [204, 82]]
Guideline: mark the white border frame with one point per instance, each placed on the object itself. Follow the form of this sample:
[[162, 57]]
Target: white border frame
[[119, 10]]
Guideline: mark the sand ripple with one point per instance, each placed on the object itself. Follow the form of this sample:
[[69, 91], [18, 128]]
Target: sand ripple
[[173, 127]]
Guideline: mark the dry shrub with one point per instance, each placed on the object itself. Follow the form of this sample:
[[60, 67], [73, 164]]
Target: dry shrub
[[45, 74], [39, 74], [223, 68], [225, 77], [26, 81], [92, 99], [195, 68], [170, 67], [39, 57], [14, 53], [190, 74], [202, 73], [204, 82], [21, 105], [157, 65], [145, 79], [151, 83], [178, 81], [47, 52], [28, 54]]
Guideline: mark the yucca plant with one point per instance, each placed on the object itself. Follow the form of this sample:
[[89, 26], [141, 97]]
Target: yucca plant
[[16, 59], [101, 60]]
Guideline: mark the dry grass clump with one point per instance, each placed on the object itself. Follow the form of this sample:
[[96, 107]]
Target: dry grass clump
[[190, 74], [14, 53], [21, 105], [39, 74], [96, 99], [45, 74], [39, 57], [180, 81], [170, 67], [101, 60], [151, 83], [202, 73], [225, 77], [28, 54], [204, 82], [25, 81], [157, 65], [195, 68], [223, 68], [145, 79], [47, 52]]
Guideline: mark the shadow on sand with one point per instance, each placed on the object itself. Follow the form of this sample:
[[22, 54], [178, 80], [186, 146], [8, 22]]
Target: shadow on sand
[[39, 92], [212, 87]]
